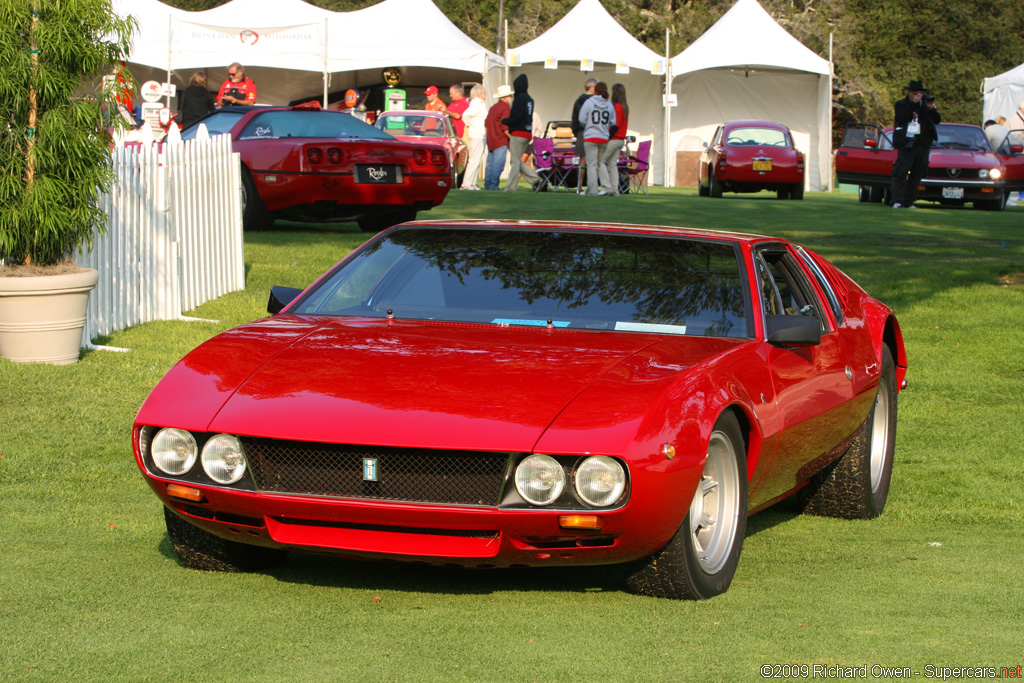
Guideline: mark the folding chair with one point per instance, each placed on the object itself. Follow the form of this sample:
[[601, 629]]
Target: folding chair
[[638, 166], [547, 168]]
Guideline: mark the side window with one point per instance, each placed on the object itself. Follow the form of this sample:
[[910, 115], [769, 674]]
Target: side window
[[785, 290], [823, 284]]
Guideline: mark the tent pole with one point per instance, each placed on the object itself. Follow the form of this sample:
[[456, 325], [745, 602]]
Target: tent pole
[[325, 62], [170, 33], [506, 52], [831, 70], [666, 128]]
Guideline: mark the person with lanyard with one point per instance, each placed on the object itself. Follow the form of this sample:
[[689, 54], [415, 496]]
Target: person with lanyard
[[237, 89], [915, 129], [597, 116], [520, 131]]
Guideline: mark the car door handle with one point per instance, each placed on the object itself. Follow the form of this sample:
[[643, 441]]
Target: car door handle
[[841, 154]]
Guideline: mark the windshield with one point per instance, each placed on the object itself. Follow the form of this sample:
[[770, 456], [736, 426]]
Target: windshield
[[757, 137], [412, 125], [962, 137], [574, 279], [217, 123]]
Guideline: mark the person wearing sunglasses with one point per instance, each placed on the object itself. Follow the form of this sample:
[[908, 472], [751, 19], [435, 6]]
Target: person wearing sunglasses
[[237, 89]]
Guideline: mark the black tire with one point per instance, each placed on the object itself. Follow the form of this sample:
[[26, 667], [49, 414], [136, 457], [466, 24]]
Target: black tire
[[857, 485], [714, 187], [876, 195], [702, 191], [783, 193], [254, 214], [198, 549], [701, 559], [863, 194], [796, 191], [993, 204]]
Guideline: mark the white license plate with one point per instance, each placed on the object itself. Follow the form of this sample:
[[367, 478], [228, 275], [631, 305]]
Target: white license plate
[[952, 193]]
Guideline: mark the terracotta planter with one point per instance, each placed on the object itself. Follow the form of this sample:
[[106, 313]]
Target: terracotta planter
[[41, 318]]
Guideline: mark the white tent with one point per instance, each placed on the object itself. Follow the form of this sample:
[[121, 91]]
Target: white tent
[[589, 32], [1002, 94], [292, 49], [746, 66]]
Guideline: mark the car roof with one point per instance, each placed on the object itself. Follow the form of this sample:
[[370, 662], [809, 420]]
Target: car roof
[[666, 230], [754, 123], [411, 112]]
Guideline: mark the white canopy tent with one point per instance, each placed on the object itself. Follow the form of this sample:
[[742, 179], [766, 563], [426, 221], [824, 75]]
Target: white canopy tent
[[589, 32], [1003, 94], [746, 66], [292, 49]]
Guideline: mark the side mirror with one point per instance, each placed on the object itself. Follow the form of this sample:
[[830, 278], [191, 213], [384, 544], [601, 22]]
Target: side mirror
[[793, 330], [281, 297], [871, 142]]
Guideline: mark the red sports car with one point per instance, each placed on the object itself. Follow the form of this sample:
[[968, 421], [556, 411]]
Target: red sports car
[[313, 165], [750, 156], [962, 166], [497, 394], [430, 127]]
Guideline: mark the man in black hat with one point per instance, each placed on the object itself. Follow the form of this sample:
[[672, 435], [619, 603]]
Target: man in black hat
[[915, 131]]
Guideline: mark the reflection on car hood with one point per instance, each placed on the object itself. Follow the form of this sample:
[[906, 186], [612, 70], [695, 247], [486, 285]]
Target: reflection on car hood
[[411, 384]]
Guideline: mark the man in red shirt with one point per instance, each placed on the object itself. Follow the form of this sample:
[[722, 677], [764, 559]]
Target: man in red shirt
[[497, 137], [456, 108], [237, 89]]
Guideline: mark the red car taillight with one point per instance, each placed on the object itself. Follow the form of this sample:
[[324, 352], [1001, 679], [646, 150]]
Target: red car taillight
[[419, 156], [315, 155], [334, 155], [437, 157], [799, 159]]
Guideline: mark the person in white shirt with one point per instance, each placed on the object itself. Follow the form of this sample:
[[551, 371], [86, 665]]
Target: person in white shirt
[[474, 118], [597, 115]]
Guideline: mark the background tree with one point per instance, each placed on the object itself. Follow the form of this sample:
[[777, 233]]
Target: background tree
[[54, 150]]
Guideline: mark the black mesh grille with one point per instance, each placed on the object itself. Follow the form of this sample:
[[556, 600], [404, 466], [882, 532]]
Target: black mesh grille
[[403, 474], [953, 173]]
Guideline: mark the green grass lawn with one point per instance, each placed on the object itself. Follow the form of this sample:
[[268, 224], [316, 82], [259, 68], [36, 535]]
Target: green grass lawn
[[90, 588]]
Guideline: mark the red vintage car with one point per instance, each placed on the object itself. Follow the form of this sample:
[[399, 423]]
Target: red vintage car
[[313, 165], [962, 166], [428, 127], [499, 394], [750, 156]]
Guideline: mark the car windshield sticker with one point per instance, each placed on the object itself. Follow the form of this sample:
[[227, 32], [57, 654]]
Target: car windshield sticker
[[650, 327], [505, 322]]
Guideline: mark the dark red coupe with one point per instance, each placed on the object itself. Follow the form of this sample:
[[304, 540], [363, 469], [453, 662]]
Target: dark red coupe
[[962, 166], [504, 394], [428, 127], [313, 165], [750, 156]]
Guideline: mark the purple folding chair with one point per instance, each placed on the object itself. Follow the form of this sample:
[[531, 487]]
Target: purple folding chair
[[638, 166], [548, 169]]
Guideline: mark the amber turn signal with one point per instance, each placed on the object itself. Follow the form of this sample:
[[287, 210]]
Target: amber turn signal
[[186, 492], [580, 522]]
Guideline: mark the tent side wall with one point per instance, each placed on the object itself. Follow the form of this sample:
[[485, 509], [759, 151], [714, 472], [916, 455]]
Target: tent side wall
[[555, 90], [797, 99]]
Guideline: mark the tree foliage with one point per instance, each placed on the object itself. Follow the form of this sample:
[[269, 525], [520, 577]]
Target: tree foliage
[[54, 150], [878, 45]]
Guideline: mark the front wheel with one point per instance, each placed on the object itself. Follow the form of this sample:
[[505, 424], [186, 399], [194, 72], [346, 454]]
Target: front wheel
[[701, 559], [198, 549], [857, 485]]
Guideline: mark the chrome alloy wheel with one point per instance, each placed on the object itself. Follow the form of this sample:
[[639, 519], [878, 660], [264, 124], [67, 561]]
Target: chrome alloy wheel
[[715, 510], [879, 435]]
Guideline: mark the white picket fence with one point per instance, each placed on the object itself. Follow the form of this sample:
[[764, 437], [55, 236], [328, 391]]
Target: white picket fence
[[174, 234]]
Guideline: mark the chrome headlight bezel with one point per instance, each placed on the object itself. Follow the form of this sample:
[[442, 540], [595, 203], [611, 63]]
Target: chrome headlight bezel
[[223, 459], [600, 481], [174, 451]]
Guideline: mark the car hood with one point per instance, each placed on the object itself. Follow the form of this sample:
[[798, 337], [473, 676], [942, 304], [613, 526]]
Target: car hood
[[962, 158], [412, 384]]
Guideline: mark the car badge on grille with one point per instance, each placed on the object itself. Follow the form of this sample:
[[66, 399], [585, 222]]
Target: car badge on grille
[[369, 469], [953, 172]]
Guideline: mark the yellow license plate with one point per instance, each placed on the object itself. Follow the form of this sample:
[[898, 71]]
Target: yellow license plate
[[762, 164]]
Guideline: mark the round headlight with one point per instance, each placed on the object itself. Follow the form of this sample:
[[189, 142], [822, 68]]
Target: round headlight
[[995, 174], [600, 481], [983, 173], [540, 480], [223, 459], [174, 451]]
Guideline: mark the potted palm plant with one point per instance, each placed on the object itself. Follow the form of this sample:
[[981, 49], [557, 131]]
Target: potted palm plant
[[54, 162]]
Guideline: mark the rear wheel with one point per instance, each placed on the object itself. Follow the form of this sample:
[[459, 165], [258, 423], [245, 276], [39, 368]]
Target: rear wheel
[[796, 191], [783, 193], [701, 559], [857, 485], [875, 195], [863, 194], [198, 549], [714, 187], [254, 214]]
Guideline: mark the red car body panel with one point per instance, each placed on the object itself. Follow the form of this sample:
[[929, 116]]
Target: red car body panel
[[865, 157], [733, 164], [517, 390]]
